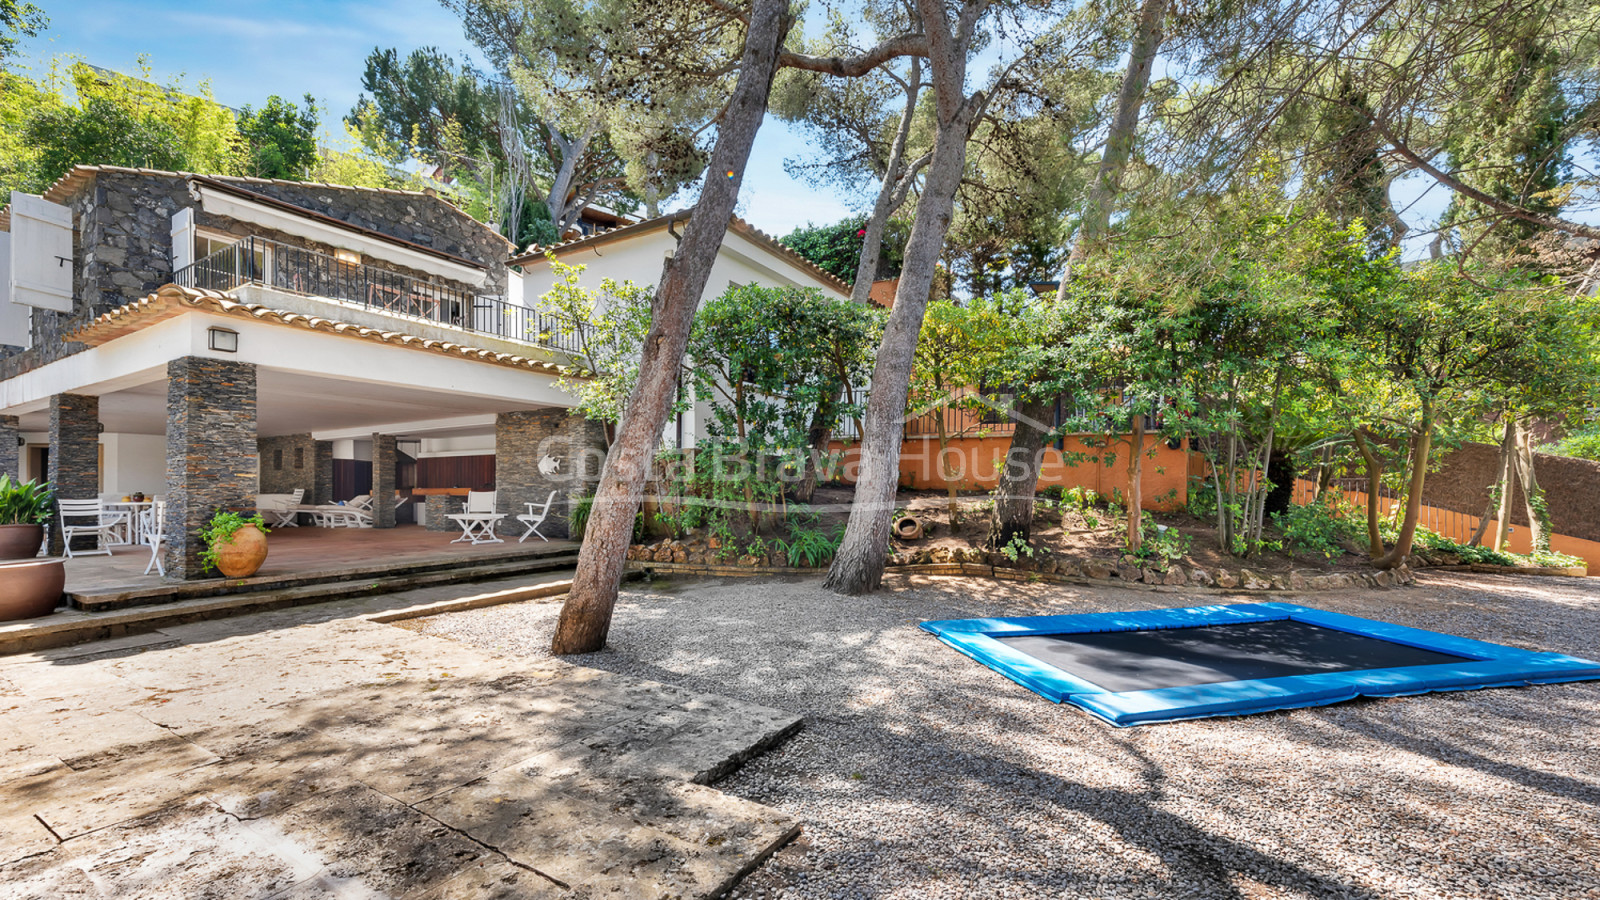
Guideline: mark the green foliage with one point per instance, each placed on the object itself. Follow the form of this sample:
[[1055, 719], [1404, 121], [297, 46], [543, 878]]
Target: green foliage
[[221, 529], [1017, 548], [25, 502], [1429, 540], [280, 140], [1321, 528], [1161, 543], [18, 17], [836, 248], [610, 325], [1584, 444], [779, 364]]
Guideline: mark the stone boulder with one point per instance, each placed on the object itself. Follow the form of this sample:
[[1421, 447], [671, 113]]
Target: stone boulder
[[1201, 577], [1250, 581]]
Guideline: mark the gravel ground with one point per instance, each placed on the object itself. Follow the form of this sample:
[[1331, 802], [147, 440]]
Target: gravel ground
[[921, 774]]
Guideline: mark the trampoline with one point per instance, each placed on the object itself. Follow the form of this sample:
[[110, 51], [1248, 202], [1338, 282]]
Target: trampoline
[[1167, 664]]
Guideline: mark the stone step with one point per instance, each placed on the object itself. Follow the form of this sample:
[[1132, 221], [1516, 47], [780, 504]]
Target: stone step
[[547, 575], [505, 562]]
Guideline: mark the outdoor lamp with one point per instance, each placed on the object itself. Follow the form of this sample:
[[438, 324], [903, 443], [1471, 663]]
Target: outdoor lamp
[[223, 339]]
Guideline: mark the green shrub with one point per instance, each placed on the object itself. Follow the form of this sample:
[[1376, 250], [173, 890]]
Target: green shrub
[[1202, 499], [810, 547], [1161, 542], [1319, 528], [24, 502], [1584, 445]]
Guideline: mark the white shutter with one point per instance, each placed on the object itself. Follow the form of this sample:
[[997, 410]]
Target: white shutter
[[182, 239], [41, 253], [15, 321]]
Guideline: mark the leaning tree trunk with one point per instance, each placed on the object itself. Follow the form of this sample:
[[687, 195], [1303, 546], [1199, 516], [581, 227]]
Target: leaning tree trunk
[[1096, 220], [1142, 52], [1019, 478], [1420, 444], [1499, 491], [891, 193], [1532, 496], [858, 566], [586, 616]]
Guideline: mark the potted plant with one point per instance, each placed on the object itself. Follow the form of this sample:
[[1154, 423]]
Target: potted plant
[[24, 508], [235, 546], [28, 587]]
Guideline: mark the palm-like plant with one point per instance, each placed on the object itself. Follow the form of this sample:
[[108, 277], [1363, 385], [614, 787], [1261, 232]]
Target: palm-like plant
[[24, 502]]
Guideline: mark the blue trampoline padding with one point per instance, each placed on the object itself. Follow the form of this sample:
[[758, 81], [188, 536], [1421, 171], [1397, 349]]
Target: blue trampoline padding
[[1484, 664]]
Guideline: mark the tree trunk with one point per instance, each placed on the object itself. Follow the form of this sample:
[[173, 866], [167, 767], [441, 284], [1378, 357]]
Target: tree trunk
[[817, 440], [1532, 496], [586, 615], [1019, 478], [1135, 488], [1500, 490], [858, 566], [889, 194], [1421, 442], [1374, 469], [1096, 219], [1142, 52]]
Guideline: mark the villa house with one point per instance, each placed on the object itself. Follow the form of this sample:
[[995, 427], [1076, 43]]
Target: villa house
[[210, 338]]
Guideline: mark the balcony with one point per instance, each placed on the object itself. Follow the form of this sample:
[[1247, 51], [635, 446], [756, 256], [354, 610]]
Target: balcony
[[296, 270]]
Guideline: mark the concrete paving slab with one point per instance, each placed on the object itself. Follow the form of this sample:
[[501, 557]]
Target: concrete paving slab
[[305, 754]]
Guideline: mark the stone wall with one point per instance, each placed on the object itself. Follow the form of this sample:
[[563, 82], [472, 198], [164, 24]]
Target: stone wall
[[1571, 488], [383, 463], [322, 490], [10, 453], [74, 469], [544, 450], [288, 464], [211, 452]]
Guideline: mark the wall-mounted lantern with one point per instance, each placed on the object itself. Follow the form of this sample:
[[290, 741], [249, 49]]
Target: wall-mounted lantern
[[224, 339]]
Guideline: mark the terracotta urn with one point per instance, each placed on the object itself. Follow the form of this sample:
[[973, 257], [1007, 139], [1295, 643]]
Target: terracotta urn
[[20, 541], [241, 557], [31, 587]]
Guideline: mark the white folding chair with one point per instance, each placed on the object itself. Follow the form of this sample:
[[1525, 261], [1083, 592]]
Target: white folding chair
[[85, 517], [288, 515], [153, 522], [478, 520], [534, 519]]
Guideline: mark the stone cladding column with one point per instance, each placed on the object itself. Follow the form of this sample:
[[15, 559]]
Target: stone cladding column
[[383, 462], [74, 468], [10, 452], [543, 450], [212, 462]]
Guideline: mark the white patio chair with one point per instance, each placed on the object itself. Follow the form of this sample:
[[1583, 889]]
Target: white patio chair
[[478, 520], [534, 519], [85, 517], [285, 511], [344, 515], [153, 527], [288, 516]]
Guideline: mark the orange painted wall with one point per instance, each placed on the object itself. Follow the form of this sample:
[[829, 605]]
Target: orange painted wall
[[1459, 526], [976, 463]]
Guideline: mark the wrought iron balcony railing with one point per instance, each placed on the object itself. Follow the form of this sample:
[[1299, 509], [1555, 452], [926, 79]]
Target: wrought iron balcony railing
[[285, 267]]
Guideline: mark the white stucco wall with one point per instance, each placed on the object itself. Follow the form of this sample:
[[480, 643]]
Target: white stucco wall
[[133, 462], [640, 259], [470, 445]]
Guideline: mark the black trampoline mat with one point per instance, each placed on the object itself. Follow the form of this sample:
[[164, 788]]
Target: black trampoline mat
[[1179, 657]]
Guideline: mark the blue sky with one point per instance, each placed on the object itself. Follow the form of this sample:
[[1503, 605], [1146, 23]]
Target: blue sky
[[249, 49]]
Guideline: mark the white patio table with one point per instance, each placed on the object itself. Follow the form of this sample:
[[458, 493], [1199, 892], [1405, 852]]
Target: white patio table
[[133, 528]]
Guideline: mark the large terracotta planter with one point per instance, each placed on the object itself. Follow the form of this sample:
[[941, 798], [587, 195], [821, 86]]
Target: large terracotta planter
[[241, 557], [20, 541], [31, 587]]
